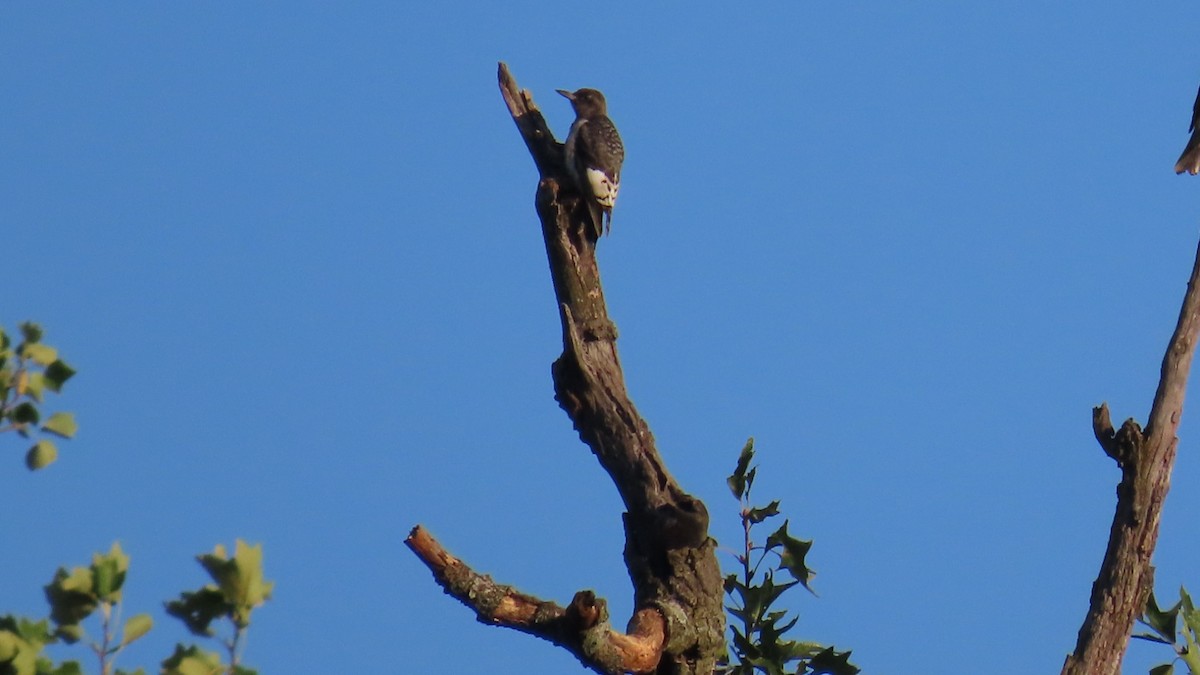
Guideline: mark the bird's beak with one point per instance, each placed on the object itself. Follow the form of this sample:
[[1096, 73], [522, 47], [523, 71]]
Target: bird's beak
[[570, 96]]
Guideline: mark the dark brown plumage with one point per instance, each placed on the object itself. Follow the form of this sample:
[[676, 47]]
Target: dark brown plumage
[[1189, 161], [594, 154]]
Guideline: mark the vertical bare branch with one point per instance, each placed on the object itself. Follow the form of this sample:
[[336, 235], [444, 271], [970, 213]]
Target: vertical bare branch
[[1145, 458], [678, 626], [671, 560]]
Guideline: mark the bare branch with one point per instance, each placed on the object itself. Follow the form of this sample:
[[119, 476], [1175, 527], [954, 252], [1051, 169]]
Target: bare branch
[[678, 627], [547, 152], [581, 628], [1126, 576], [671, 560]]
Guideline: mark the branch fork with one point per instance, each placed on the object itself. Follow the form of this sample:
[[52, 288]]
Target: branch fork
[[678, 626]]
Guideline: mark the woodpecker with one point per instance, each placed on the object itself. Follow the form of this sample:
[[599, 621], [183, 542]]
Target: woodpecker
[[594, 154], [1189, 161]]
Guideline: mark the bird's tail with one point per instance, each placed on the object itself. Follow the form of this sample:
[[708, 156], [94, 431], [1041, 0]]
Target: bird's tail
[[1189, 161], [597, 213]]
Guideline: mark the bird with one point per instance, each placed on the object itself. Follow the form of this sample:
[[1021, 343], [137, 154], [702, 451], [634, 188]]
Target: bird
[[1189, 161], [594, 154]]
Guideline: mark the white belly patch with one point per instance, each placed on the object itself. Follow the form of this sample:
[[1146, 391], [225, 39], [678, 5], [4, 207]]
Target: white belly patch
[[603, 189]]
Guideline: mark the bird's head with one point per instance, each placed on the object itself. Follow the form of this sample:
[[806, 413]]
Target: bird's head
[[586, 102]]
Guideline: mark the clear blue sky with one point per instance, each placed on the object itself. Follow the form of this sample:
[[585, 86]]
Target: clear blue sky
[[291, 249]]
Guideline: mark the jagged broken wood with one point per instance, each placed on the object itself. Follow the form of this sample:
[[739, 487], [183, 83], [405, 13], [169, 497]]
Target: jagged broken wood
[[671, 560], [1145, 459]]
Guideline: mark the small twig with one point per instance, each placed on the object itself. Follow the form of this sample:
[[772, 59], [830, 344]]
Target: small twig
[[747, 578], [233, 647], [105, 638]]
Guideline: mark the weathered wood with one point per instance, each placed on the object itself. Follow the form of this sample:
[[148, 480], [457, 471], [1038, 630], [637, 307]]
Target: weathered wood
[[678, 626], [1146, 459], [581, 628], [671, 560]]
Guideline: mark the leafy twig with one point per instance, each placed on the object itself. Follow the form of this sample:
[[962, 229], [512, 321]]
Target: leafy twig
[[759, 644]]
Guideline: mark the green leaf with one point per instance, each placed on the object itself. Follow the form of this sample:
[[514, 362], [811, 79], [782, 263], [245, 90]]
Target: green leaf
[[1190, 654], [67, 668], [9, 645], [199, 609], [31, 332], [1192, 659], [36, 633], [17, 656], [41, 455], [780, 651], [35, 383], [1164, 669], [794, 552], [731, 583], [78, 581], [1191, 617], [240, 578], [108, 571], [61, 424], [1161, 621], [26, 413], [105, 574], [70, 633], [136, 627], [38, 353], [830, 662], [756, 600], [757, 515], [804, 650], [742, 644], [71, 600], [57, 374], [192, 661], [787, 626], [737, 480]]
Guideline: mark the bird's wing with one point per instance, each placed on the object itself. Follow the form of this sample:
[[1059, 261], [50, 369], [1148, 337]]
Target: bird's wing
[[599, 146], [1189, 160], [1195, 112]]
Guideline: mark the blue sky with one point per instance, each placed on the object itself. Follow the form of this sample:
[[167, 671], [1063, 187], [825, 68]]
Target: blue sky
[[291, 249]]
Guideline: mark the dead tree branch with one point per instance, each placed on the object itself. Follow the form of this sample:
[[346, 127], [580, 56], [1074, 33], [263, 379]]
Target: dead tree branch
[[581, 628], [671, 560], [1145, 458]]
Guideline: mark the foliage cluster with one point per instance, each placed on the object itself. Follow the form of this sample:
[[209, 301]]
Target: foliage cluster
[[1165, 629], [75, 596], [759, 643], [28, 372]]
